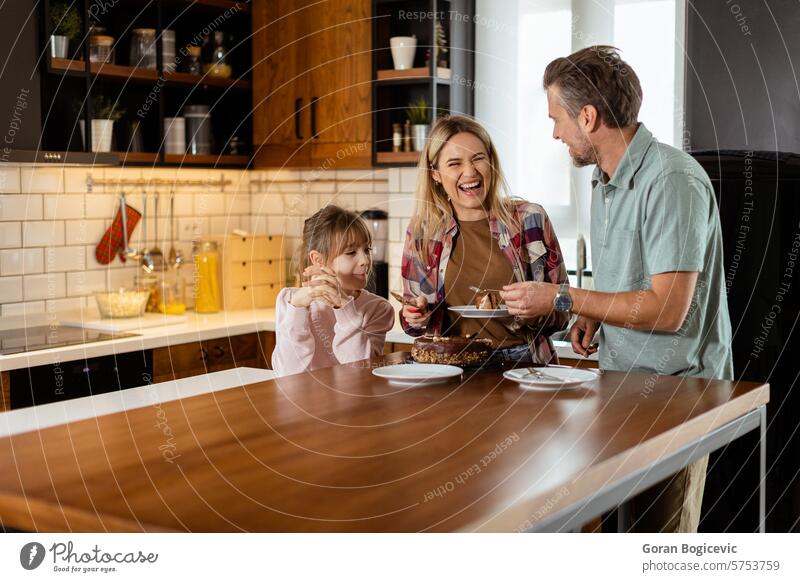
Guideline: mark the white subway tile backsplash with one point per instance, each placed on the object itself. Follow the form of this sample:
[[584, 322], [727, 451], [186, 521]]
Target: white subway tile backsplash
[[27, 308], [280, 175], [209, 204], [20, 207], [401, 205], [193, 228], [9, 180], [65, 304], [63, 206], [65, 259], [224, 224], [42, 233], [21, 262], [86, 282], [394, 179], [10, 235], [53, 208], [76, 179], [83, 232], [102, 206], [10, 289], [42, 180], [408, 179], [49, 286], [237, 203]]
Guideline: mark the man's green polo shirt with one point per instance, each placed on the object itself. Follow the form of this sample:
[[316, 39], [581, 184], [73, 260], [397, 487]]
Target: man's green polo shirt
[[658, 214]]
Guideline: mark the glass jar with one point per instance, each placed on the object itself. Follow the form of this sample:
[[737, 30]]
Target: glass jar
[[207, 293], [143, 48], [101, 49], [193, 65], [150, 283], [218, 65]]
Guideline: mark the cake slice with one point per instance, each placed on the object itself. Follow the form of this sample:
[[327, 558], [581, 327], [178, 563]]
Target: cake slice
[[487, 300]]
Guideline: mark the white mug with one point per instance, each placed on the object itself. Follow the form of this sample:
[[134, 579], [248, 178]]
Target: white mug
[[403, 49]]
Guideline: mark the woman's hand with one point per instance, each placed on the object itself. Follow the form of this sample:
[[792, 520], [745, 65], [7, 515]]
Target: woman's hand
[[581, 334], [417, 315], [323, 286]]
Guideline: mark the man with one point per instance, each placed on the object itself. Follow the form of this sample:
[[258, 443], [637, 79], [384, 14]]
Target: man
[[659, 300]]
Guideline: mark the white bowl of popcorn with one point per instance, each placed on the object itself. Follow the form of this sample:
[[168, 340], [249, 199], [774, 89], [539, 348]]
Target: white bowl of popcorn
[[122, 303]]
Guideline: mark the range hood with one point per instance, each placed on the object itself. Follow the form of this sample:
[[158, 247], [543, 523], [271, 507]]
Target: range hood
[[39, 157]]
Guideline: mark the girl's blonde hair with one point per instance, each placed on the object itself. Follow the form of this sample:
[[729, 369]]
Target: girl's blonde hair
[[433, 212], [330, 231]]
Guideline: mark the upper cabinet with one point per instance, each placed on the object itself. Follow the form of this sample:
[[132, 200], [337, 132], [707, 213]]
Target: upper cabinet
[[311, 83]]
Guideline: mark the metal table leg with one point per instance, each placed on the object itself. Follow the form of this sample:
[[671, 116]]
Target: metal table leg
[[762, 481]]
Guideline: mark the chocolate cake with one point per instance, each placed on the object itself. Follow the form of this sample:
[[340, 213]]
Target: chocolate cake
[[456, 351], [487, 300]]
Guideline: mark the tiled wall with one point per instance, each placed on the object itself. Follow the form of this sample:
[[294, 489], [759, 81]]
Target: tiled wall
[[52, 218]]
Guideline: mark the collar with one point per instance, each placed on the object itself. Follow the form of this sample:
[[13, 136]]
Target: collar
[[623, 178]]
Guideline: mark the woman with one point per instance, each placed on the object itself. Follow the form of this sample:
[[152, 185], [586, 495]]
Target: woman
[[466, 231]]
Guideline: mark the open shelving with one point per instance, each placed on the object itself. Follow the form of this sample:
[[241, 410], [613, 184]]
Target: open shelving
[[149, 96]]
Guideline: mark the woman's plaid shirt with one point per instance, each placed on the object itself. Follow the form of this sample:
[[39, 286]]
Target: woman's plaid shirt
[[533, 251]]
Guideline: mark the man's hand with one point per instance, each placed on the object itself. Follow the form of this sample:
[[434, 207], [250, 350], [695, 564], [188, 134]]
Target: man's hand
[[581, 334], [529, 299], [417, 315]]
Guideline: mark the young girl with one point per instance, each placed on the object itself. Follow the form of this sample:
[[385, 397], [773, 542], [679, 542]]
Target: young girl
[[331, 319]]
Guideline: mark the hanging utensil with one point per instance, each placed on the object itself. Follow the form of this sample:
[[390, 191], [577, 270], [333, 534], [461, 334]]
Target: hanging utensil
[[175, 256], [155, 253], [147, 259]]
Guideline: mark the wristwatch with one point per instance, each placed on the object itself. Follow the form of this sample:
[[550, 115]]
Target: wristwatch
[[563, 300]]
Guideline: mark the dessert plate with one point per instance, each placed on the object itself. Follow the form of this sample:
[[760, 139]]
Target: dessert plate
[[551, 379], [472, 312], [418, 374]]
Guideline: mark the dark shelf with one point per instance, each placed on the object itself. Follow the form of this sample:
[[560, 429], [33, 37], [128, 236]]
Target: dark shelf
[[140, 75], [206, 160], [398, 158]]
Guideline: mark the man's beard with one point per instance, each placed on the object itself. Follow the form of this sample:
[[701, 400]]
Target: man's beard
[[586, 156]]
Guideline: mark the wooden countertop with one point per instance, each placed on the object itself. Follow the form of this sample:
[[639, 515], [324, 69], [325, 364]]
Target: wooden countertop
[[342, 450]]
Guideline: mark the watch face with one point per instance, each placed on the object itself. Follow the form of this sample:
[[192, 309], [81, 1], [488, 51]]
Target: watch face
[[563, 302]]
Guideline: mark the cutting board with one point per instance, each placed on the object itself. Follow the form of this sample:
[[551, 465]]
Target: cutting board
[[94, 321]]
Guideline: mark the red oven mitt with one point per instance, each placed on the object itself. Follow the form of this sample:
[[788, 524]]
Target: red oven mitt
[[112, 241]]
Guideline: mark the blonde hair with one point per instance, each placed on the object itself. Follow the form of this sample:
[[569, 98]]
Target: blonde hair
[[329, 231], [433, 212]]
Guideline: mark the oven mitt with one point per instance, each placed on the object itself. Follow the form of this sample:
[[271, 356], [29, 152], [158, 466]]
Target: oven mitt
[[112, 241]]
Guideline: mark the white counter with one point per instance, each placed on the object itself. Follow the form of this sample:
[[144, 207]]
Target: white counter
[[197, 327]]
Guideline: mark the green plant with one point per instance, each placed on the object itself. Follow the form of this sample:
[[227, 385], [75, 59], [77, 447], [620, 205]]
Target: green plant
[[419, 112], [102, 108], [65, 21]]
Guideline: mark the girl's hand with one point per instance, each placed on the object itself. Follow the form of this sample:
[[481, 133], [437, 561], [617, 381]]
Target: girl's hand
[[324, 286], [418, 315]]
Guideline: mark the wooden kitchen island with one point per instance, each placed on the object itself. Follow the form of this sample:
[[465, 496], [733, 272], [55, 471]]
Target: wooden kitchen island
[[341, 450]]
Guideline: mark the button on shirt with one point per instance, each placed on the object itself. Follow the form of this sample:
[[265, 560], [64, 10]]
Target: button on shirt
[[658, 214]]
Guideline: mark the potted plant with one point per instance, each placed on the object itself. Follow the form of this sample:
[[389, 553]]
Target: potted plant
[[65, 23], [419, 113], [104, 114]]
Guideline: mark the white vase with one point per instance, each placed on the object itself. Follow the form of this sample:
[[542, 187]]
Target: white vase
[[102, 129], [419, 134], [59, 46], [403, 49]]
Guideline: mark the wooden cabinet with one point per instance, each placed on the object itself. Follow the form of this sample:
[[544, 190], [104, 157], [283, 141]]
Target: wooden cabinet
[[311, 83], [252, 350]]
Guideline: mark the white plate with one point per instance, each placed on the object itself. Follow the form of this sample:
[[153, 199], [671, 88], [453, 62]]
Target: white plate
[[567, 378], [418, 374], [472, 312]]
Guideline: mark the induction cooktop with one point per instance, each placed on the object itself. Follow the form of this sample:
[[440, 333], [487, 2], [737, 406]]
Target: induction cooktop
[[42, 337]]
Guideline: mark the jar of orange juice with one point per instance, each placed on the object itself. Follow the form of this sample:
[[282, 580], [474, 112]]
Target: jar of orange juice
[[207, 292]]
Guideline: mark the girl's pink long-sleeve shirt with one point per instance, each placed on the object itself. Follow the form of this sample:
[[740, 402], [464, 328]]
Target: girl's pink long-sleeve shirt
[[318, 336]]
